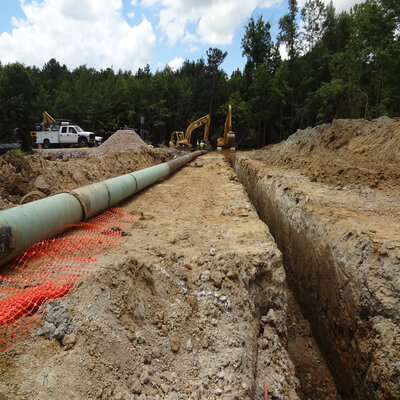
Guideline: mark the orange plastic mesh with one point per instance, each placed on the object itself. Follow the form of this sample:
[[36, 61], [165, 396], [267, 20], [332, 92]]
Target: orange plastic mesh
[[51, 268]]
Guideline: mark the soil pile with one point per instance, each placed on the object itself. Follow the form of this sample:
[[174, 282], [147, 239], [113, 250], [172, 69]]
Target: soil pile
[[20, 174], [122, 140], [343, 153]]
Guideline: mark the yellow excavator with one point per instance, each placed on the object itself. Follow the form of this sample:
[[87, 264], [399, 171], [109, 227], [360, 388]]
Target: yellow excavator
[[229, 138], [176, 136], [180, 139]]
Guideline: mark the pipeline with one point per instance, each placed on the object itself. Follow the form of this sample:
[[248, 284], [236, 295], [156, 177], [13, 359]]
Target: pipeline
[[27, 224]]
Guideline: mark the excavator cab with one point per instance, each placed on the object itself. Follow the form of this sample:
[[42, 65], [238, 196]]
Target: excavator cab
[[228, 141], [176, 136]]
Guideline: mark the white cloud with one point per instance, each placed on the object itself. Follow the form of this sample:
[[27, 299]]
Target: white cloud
[[77, 32], [340, 5], [194, 49], [176, 63], [215, 20], [131, 15], [344, 5], [283, 52]]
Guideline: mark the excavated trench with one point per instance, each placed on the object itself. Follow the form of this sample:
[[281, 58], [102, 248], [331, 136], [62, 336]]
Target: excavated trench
[[335, 275], [178, 310], [183, 309]]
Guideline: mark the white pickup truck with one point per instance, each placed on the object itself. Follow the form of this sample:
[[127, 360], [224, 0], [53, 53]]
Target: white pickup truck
[[66, 135]]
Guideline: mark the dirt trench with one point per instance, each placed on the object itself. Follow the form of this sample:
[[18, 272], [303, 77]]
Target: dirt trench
[[341, 251], [193, 304]]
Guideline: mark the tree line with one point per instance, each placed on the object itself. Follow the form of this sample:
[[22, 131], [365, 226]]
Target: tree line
[[338, 65]]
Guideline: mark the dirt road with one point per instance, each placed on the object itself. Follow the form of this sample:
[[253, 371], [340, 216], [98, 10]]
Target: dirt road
[[191, 305]]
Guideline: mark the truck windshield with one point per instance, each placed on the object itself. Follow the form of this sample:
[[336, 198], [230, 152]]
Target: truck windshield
[[78, 128]]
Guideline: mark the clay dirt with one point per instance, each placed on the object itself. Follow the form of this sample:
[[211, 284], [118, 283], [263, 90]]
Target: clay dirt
[[272, 271]]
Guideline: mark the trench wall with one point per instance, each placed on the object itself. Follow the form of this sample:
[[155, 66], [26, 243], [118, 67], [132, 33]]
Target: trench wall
[[331, 271]]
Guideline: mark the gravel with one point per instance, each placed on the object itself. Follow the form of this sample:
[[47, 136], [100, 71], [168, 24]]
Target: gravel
[[122, 140]]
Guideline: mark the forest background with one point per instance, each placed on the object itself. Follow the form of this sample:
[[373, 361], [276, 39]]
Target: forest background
[[344, 65]]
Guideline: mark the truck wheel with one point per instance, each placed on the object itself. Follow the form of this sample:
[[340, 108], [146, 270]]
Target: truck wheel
[[82, 142], [46, 143]]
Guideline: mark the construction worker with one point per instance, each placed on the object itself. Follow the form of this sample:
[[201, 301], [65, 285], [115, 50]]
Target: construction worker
[[201, 145]]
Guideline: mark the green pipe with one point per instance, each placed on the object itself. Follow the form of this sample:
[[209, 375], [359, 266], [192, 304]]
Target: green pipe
[[27, 224]]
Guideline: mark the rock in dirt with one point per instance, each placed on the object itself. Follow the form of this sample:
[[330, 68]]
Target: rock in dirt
[[175, 342], [57, 321], [68, 341], [205, 342], [41, 184], [135, 385], [205, 276]]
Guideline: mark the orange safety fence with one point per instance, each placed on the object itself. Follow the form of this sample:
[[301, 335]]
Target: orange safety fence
[[51, 268]]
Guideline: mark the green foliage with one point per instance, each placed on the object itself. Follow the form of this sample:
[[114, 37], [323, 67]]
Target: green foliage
[[257, 44], [289, 32], [314, 16], [17, 98], [339, 66]]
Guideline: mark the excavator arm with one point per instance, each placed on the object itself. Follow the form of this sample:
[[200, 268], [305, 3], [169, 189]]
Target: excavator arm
[[229, 138]]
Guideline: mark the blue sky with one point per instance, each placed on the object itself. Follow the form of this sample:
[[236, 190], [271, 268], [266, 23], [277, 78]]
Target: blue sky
[[234, 60], [128, 34]]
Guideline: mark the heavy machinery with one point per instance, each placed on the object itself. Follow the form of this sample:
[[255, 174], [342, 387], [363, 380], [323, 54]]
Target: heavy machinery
[[228, 140], [180, 139], [176, 136]]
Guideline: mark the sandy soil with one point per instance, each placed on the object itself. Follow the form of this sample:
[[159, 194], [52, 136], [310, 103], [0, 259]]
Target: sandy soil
[[65, 169], [192, 305], [346, 153], [330, 196]]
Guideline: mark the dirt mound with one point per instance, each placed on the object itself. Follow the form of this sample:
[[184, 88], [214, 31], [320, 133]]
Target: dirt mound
[[20, 175], [122, 140], [343, 153], [378, 139]]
